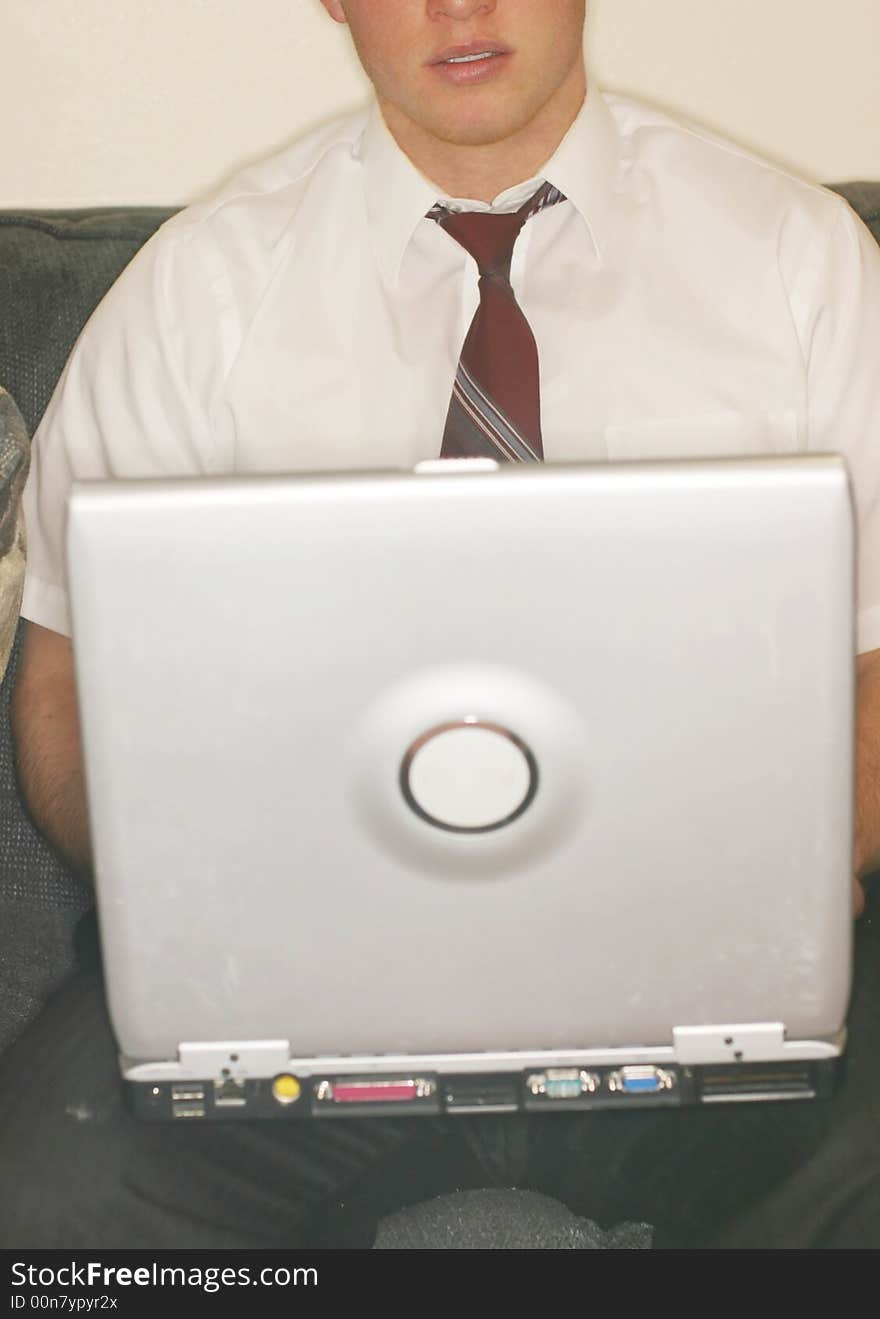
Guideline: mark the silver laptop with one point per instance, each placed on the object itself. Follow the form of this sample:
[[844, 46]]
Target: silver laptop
[[471, 789]]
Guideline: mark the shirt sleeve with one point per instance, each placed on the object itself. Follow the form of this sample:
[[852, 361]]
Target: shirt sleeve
[[842, 352], [137, 398]]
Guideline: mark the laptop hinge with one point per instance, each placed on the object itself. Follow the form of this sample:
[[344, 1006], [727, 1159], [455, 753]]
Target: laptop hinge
[[754, 1042], [235, 1057]]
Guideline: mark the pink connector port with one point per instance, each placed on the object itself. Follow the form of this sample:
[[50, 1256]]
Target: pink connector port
[[378, 1091]]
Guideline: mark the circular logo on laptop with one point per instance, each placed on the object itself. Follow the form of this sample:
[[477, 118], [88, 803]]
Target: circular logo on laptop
[[469, 777]]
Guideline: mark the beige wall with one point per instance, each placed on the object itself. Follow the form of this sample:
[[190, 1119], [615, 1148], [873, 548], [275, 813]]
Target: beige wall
[[154, 101]]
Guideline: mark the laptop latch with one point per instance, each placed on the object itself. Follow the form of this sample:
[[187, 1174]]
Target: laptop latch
[[753, 1042], [236, 1058]]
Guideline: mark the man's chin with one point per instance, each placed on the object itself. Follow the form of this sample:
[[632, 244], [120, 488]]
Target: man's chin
[[479, 131]]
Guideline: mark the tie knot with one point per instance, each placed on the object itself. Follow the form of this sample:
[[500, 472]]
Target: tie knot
[[490, 236]]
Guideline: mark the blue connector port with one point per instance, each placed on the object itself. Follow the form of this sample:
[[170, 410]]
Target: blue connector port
[[641, 1079]]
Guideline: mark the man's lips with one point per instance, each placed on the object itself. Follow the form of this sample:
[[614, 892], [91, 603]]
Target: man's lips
[[470, 53], [470, 65]]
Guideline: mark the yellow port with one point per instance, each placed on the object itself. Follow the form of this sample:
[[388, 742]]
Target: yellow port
[[286, 1089]]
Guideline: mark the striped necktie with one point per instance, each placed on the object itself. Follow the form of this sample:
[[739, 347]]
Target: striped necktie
[[495, 410]]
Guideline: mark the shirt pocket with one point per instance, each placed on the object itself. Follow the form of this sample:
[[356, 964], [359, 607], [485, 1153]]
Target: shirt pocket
[[705, 435]]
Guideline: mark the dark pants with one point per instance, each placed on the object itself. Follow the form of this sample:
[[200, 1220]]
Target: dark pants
[[76, 1171]]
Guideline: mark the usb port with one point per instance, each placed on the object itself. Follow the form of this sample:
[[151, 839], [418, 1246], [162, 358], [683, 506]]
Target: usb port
[[188, 1090], [187, 1108]]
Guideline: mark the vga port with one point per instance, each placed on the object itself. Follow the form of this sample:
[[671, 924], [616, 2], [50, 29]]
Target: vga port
[[641, 1079]]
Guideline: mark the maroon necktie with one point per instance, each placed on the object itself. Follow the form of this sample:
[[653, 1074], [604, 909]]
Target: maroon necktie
[[495, 410]]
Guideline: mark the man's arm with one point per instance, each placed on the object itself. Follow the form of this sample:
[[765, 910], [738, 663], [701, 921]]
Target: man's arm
[[45, 723], [867, 855]]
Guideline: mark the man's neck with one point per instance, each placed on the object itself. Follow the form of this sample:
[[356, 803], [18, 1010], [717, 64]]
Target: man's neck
[[481, 172]]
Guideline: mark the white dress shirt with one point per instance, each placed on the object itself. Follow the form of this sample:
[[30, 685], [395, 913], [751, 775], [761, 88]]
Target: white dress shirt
[[687, 299]]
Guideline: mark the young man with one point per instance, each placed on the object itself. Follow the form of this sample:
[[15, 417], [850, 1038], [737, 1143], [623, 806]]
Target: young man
[[682, 298]]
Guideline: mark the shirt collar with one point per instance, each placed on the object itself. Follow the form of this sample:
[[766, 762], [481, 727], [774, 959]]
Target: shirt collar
[[584, 167]]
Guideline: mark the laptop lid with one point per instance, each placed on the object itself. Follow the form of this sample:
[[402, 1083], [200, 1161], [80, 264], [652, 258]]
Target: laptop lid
[[530, 763]]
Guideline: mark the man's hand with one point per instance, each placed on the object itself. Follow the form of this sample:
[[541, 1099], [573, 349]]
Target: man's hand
[[45, 722], [867, 842]]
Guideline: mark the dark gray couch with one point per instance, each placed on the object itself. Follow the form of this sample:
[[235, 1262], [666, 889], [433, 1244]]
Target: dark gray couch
[[54, 268]]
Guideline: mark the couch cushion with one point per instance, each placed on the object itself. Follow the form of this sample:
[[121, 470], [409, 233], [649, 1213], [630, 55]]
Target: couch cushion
[[55, 266], [864, 198]]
